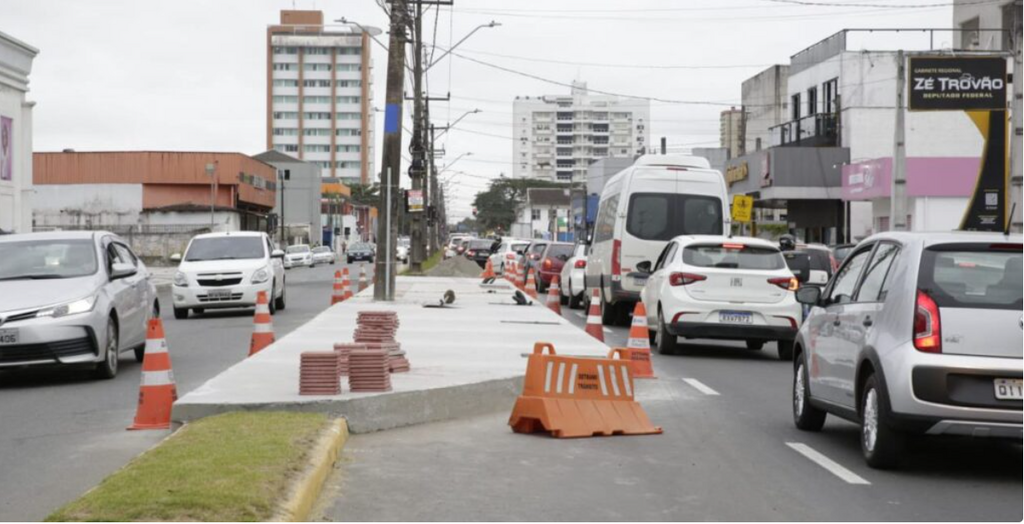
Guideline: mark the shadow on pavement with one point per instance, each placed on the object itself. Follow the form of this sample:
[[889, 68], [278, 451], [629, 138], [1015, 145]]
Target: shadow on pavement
[[46, 376]]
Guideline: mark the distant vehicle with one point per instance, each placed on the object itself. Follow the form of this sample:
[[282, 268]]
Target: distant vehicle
[[550, 263], [72, 299], [460, 245], [841, 251], [530, 256], [508, 251], [227, 270], [573, 272], [402, 253], [735, 288], [811, 264], [479, 250], [298, 255], [453, 243], [360, 252], [917, 333], [641, 209], [324, 255]]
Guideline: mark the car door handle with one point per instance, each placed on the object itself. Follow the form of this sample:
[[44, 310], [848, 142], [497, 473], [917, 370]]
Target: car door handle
[[868, 322]]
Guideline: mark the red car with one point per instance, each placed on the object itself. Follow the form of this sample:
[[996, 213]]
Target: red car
[[551, 262]]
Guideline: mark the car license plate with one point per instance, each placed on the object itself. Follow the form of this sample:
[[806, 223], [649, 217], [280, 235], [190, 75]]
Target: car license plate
[[735, 317], [639, 281], [1005, 388], [8, 336], [219, 294]]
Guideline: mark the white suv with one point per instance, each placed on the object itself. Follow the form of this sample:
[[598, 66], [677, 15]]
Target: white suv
[[227, 270]]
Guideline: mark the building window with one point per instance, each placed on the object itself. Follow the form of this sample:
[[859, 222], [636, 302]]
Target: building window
[[534, 214], [829, 89], [285, 99], [812, 101], [347, 149], [347, 164], [348, 116], [316, 131], [286, 83], [285, 67], [795, 105], [348, 132], [316, 148], [350, 50], [285, 131], [286, 115], [970, 37], [314, 115], [317, 51], [348, 67], [285, 50], [316, 99], [348, 83], [316, 83], [287, 148], [348, 99], [316, 67]]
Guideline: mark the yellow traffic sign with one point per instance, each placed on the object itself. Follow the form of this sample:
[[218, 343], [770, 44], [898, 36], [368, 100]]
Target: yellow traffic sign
[[742, 208]]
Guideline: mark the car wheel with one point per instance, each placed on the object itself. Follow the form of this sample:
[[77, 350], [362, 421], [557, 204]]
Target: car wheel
[[664, 341], [785, 350], [805, 416], [607, 311], [108, 368], [880, 443], [279, 302], [576, 301], [272, 303], [756, 345], [180, 313]]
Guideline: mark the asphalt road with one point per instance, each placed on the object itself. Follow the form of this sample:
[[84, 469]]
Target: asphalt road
[[62, 432], [729, 452]]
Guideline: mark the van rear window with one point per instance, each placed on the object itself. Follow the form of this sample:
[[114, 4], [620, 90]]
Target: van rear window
[[664, 216], [973, 276], [719, 256]]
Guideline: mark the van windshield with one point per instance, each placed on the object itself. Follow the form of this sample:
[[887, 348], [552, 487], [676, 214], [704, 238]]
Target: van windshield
[[973, 276], [664, 216]]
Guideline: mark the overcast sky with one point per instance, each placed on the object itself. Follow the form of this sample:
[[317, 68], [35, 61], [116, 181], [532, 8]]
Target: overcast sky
[[190, 74]]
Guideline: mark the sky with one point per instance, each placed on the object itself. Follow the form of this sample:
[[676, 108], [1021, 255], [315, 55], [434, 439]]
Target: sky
[[191, 74]]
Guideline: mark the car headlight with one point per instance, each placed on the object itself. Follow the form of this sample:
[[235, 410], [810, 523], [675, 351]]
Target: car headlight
[[180, 279], [83, 305], [261, 275]]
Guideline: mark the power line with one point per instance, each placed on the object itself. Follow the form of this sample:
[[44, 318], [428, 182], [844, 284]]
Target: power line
[[625, 66]]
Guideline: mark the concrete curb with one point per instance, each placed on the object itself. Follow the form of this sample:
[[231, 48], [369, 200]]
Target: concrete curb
[[304, 492]]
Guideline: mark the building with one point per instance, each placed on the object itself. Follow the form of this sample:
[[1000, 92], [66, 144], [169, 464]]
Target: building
[[717, 157], [319, 95], [545, 214], [730, 130], [558, 136], [297, 202], [985, 26], [15, 135], [765, 99], [156, 199]]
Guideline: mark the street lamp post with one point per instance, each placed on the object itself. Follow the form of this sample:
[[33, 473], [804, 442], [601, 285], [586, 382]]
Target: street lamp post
[[211, 171]]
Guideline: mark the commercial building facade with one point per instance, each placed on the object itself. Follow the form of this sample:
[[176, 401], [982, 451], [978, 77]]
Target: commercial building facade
[[297, 201], [545, 214], [16, 198]]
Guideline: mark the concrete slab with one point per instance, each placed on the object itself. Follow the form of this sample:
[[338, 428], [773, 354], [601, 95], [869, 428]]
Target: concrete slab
[[466, 358]]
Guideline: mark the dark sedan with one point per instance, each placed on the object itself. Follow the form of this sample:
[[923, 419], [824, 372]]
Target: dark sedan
[[479, 250], [360, 253]]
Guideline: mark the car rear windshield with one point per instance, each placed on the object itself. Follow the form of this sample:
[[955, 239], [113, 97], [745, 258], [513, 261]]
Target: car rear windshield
[[322, 249], [477, 245], [47, 259], [664, 216], [559, 250], [298, 249], [986, 276], [225, 248], [725, 256]]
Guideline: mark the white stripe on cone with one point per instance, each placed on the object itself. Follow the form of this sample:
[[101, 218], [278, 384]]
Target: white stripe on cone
[[156, 345], [262, 308], [157, 378], [261, 327]]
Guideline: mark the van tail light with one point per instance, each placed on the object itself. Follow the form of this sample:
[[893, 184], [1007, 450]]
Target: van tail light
[[927, 333], [787, 283], [580, 264], [547, 263], [684, 279], [509, 256], [616, 259]]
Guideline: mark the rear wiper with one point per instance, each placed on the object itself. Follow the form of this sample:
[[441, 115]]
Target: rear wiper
[[41, 276]]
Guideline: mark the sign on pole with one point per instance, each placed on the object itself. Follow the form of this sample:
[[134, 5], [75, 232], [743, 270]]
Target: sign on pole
[[742, 208], [415, 200]]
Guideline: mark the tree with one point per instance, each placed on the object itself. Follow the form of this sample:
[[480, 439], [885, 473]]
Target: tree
[[366, 194], [496, 207]]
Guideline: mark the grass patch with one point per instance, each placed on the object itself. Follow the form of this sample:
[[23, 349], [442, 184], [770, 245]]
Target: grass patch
[[231, 467], [427, 265]]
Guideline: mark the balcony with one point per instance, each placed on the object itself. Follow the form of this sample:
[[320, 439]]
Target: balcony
[[818, 130]]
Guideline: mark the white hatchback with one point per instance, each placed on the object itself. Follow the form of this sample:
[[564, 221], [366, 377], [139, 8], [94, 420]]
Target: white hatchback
[[715, 287]]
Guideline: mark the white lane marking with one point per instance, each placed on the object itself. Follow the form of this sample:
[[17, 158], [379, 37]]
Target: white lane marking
[[832, 466], [700, 386]]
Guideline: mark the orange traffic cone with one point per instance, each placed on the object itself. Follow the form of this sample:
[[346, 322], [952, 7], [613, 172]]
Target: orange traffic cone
[[594, 327], [531, 283], [263, 328], [555, 296], [157, 392], [337, 293], [362, 277], [346, 285], [524, 273], [639, 343], [488, 270]]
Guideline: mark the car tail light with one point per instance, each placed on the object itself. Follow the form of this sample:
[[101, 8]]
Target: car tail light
[[580, 264], [787, 283], [616, 258], [547, 263], [510, 256], [684, 279], [927, 334]]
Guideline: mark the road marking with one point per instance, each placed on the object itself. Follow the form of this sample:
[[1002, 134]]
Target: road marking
[[827, 463], [700, 386]]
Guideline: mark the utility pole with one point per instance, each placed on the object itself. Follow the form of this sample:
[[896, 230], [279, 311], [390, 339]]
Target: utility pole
[[417, 151], [391, 156], [434, 211], [898, 194], [1015, 137]]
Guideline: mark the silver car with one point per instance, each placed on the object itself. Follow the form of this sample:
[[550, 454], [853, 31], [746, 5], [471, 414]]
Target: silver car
[[916, 333], [72, 298]]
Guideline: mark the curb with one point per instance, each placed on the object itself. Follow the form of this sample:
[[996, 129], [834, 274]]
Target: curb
[[303, 494]]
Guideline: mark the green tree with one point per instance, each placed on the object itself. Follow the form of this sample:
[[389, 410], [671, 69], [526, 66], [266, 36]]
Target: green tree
[[496, 207], [366, 194]]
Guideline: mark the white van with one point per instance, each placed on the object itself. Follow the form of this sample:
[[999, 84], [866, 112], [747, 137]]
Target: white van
[[644, 206]]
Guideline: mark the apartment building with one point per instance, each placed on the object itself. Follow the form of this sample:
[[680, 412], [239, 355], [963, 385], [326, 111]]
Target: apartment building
[[731, 131], [319, 95], [558, 136]]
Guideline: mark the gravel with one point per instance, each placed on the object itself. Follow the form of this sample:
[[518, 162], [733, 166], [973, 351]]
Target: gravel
[[456, 267]]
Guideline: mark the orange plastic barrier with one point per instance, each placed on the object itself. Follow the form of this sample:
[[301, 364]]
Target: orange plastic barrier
[[578, 397], [157, 392]]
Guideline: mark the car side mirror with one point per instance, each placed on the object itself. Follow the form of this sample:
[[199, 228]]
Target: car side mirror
[[121, 270], [644, 267], [176, 257], [809, 295], [277, 253]]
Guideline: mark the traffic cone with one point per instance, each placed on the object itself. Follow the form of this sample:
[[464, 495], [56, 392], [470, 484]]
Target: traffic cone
[[531, 283], [555, 296], [362, 277], [639, 343], [346, 285], [594, 326], [488, 270], [157, 392], [337, 293], [263, 328], [524, 273]]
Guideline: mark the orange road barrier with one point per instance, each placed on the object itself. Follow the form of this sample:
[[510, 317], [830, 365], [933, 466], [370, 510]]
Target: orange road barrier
[[524, 273], [337, 292], [488, 270], [362, 277], [594, 326], [157, 391], [555, 296], [639, 343], [578, 397], [639, 361], [531, 283], [263, 328], [346, 285]]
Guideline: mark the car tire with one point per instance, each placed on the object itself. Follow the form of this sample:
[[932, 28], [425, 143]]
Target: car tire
[[805, 416], [576, 301], [272, 303], [563, 300], [180, 313], [279, 302], [607, 311], [785, 350], [108, 368], [880, 443], [755, 345], [664, 342]]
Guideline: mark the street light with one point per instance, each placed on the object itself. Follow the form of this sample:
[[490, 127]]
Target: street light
[[449, 166], [211, 171], [452, 48], [372, 32], [457, 120]]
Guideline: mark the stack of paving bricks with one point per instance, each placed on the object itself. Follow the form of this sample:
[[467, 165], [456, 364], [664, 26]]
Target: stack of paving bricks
[[343, 351], [318, 373], [368, 370], [377, 330]]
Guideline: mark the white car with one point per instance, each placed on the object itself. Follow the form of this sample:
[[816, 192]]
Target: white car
[[572, 284], [402, 254], [509, 250], [227, 270], [324, 255], [716, 287], [298, 255]]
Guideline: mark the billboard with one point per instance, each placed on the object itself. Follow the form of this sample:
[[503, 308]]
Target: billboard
[[957, 83], [6, 148]]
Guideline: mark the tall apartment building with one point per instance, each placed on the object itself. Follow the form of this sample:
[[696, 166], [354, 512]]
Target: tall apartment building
[[731, 131], [319, 96], [558, 136]]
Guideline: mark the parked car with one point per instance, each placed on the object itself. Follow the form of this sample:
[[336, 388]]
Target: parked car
[[917, 333], [298, 255], [530, 256], [550, 263], [735, 288], [324, 255], [228, 270], [507, 251], [479, 250], [453, 242], [573, 273], [72, 299], [641, 209], [460, 245], [360, 252], [402, 253]]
